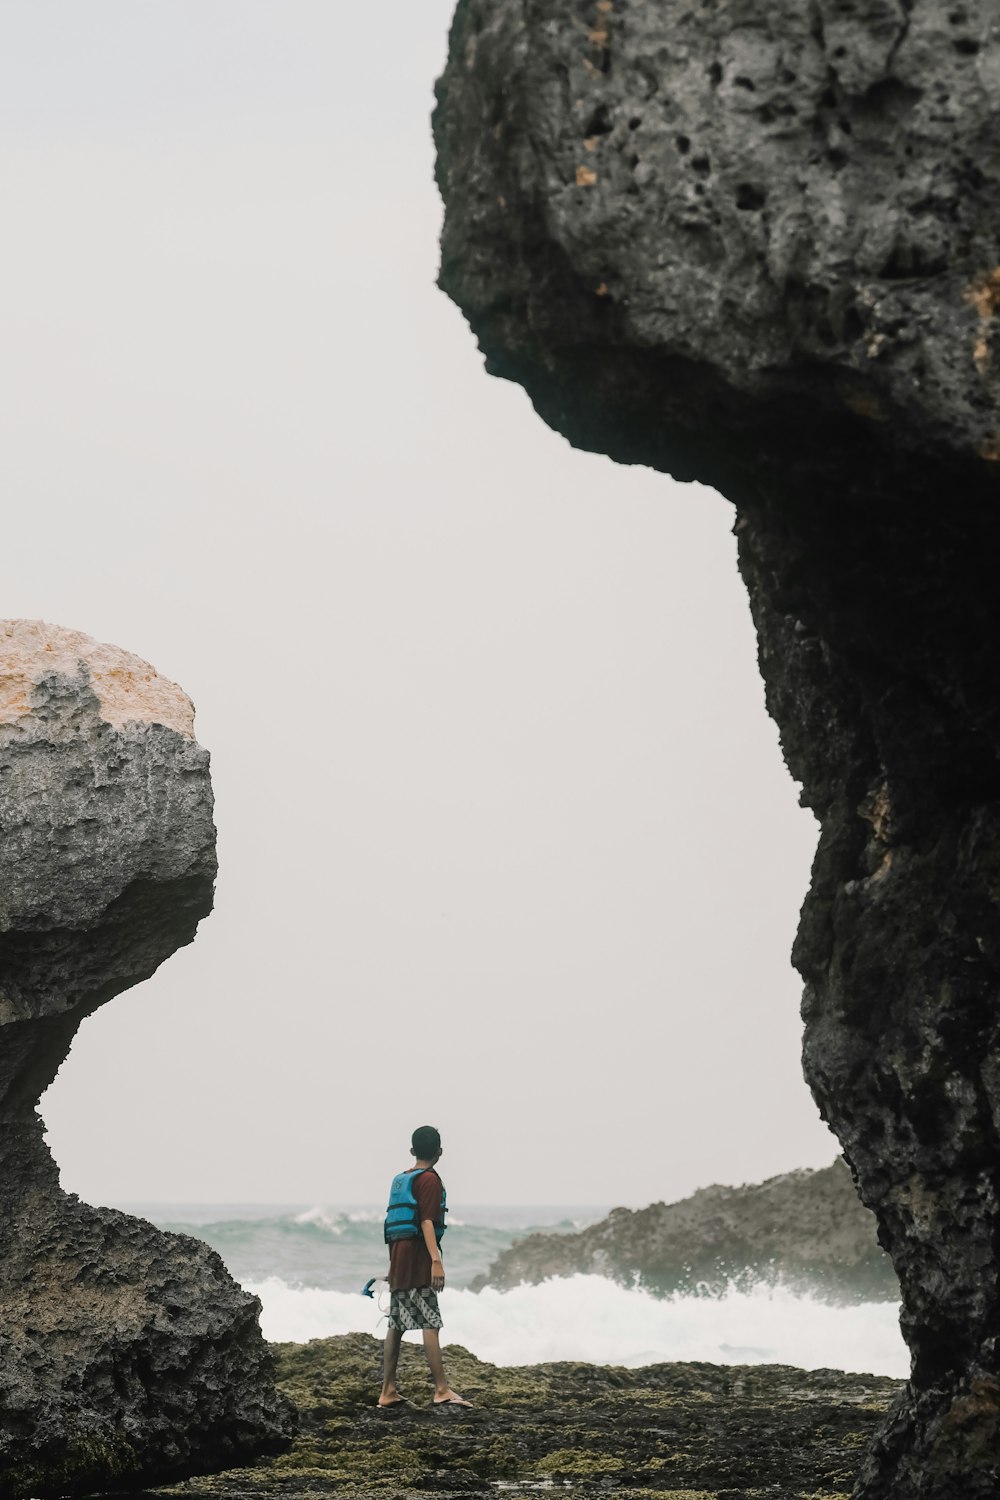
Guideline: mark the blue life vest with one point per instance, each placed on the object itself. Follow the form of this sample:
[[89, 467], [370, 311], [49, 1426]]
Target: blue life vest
[[402, 1217]]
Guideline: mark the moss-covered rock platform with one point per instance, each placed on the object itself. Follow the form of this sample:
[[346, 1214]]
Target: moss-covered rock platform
[[676, 1431]]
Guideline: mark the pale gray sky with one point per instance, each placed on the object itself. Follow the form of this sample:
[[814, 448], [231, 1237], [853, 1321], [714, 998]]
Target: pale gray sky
[[506, 841]]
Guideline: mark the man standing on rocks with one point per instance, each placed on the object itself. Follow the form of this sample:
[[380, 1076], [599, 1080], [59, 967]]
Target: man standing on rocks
[[414, 1225]]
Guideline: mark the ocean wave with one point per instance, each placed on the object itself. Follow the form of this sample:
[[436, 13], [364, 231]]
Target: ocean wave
[[588, 1318], [335, 1247], [320, 1217]]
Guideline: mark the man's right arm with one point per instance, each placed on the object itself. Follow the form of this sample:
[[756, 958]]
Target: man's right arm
[[434, 1251], [428, 1193]]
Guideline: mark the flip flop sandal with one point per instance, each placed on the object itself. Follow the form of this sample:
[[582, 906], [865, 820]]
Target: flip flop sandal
[[393, 1408]]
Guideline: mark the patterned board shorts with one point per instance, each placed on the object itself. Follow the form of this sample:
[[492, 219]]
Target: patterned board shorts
[[415, 1307]]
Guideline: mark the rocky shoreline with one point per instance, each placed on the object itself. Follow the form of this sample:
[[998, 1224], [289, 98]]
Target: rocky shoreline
[[685, 1431], [806, 1230]]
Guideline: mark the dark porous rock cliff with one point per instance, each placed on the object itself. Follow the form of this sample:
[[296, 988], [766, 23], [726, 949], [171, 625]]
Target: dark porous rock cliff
[[759, 246], [127, 1355], [807, 1231]]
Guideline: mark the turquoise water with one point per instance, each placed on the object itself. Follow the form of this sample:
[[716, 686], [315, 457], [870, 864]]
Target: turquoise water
[[338, 1248]]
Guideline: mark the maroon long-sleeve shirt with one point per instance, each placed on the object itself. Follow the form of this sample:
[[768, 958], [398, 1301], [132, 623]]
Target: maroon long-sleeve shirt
[[409, 1262]]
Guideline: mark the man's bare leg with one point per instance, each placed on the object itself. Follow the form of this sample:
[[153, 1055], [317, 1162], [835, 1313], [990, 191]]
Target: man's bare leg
[[390, 1359], [442, 1390]]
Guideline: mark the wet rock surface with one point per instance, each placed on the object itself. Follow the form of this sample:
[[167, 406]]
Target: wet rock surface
[[804, 1230], [690, 1431], [758, 246], [126, 1354]]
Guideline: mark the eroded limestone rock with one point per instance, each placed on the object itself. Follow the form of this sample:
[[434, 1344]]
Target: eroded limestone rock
[[127, 1356], [759, 246]]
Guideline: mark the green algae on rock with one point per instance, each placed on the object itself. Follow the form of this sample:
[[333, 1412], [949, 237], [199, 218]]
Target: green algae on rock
[[683, 1431]]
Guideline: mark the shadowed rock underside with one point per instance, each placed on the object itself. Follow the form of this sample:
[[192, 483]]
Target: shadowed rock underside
[[127, 1355], [758, 246]]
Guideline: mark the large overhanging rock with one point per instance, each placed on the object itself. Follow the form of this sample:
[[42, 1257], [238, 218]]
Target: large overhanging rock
[[757, 245], [127, 1356]]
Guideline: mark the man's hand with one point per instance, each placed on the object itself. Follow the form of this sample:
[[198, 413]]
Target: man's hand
[[437, 1274]]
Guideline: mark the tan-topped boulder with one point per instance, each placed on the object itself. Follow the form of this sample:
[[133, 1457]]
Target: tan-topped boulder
[[127, 1356]]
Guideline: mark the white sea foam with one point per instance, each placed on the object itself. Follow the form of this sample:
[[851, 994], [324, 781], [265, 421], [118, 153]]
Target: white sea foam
[[589, 1318], [322, 1218]]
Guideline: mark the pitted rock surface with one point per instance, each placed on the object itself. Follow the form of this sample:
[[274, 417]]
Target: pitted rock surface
[[715, 209], [127, 689], [127, 1355], [758, 246]]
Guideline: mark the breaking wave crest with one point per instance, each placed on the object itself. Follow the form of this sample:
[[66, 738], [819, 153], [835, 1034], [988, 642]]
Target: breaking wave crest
[[589, 1318]]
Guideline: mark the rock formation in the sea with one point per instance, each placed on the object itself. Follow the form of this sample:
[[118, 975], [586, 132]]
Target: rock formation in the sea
[[127, 1356], [759, 246], [807, 1231]]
